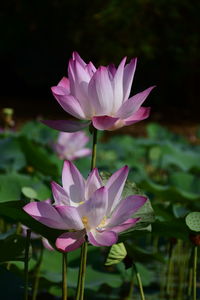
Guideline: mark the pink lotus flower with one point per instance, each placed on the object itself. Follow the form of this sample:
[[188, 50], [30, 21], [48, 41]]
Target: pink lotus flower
[[87, 208], [100, 96], [71, 145]]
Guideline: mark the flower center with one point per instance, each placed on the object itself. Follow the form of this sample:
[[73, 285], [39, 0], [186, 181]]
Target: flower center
[[103, 223], [85, 221]]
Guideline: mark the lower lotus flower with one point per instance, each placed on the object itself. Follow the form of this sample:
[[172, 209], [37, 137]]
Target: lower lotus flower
[[100, 214], [71, 145]]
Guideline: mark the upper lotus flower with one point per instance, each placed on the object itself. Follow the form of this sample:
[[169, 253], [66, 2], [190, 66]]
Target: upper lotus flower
[[86, 207], [70, 145], [100, 96]]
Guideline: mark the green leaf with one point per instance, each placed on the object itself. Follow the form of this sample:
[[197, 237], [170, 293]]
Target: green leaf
[[193, 221], [29, 192], [12, 248], [116, 254]]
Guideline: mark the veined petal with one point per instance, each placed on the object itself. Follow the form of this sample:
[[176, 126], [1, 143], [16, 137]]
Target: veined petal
[[70, 241], [68, 103], [95, 208], [129, 72], [66, 125], [124, 226], [103, 122], [115, 187], [126, 209], [133, 104], [73, 183], [60, 195], [142, 114], [118, 86], [70, 216], [93, 183], [100, 92], [45, 214], [104, 238]]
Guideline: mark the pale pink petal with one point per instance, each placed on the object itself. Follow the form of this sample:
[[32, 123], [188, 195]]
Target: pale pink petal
[[64, 82], [66, 125], [73, 183], [118, 86], [94, 209], [68, 102], [93, 183], [126, 209], [82, 153], [104, 238], [115, 187], [112, 70], [60, 195], [133, 104], [70, 216], [129, 72], [76, 56], [142, 114], [70, 241], [124, 226], [45, 214], [103, 122], [100, 92], [47, 245], [91, 69]]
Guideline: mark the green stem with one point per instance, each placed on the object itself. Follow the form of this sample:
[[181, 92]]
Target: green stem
[[195, 274], [37, 276], [139, 282], [82, 268], [131, 284], [26, 258], [64, 276], [94, 149]]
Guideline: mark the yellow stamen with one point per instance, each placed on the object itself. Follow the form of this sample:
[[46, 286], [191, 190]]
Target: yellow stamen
[[85, 221]]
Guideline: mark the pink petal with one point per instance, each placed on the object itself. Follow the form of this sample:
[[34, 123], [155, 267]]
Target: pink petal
[[129, 72], [93, 183], [66, 125], [100, 92], [103, 122], [45, 214], [115, 187], [59, 194], [142, 114], [68, 102], [126, 209], [82, 153], [76, 56], [133, 104], [70, 216], [118, 86], [124, 226], [47, 245], [70, 241], [64, 82], [104, 238], [73, 183], [94, 208]]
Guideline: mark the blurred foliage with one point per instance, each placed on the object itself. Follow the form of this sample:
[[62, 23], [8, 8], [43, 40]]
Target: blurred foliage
[[163, 165], [37, 39]]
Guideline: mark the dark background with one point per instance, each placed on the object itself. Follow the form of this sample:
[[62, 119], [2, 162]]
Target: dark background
[[38, 37]]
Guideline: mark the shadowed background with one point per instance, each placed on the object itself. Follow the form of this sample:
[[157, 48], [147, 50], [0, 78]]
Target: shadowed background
[[37, 39]]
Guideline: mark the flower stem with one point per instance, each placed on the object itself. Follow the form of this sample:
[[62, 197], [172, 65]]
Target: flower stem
[[195, 273], [82, 268], [37, 276], [131, 284], [94, 148], [139, 282], [64, 276], [26, 258]]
